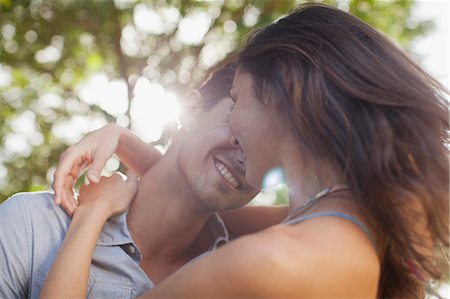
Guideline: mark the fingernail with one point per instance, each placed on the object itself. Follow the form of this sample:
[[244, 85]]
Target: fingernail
[[93, 178]]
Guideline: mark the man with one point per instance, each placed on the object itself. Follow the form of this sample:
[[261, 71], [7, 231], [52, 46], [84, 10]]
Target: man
[[170, 222]]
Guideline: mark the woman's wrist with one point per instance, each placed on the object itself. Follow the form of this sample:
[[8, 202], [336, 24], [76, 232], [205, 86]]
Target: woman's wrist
[[98, 209], [124, 137]]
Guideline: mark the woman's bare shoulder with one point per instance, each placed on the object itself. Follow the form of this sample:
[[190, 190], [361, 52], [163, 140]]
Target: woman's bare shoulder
[[320, 257]]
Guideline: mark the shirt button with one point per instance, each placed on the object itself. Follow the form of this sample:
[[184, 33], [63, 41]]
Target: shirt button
[[131, 249]]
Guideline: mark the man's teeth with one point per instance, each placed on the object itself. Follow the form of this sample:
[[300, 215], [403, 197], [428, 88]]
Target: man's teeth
[[227, 174]]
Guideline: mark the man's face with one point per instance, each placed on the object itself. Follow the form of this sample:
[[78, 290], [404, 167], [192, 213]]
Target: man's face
[[212, 162]]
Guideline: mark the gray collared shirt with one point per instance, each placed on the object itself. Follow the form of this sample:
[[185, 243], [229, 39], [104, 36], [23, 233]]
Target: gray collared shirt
[[32, 229]]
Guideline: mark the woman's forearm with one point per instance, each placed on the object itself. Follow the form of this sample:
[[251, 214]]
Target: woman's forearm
[[68, 277], [136, 154]]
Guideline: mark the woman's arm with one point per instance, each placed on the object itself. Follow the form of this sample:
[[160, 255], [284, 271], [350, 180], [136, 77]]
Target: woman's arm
[[68, 277], [322, 258], [135, 154], [93, 151], [69, 274]]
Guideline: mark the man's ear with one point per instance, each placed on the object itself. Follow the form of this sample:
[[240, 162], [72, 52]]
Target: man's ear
[[190, 109], [192, 99]]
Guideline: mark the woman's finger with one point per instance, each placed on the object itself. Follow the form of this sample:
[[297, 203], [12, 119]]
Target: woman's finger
[[64, 168], [98, 163], [68, 201], [66, 178]]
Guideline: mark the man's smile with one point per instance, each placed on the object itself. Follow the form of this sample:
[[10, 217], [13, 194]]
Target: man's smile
[[227, 174]]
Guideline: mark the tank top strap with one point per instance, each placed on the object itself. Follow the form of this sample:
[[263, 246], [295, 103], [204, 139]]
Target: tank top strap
[[361, 225]]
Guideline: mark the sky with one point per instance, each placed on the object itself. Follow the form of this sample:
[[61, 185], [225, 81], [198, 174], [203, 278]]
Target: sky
[[433, 49]]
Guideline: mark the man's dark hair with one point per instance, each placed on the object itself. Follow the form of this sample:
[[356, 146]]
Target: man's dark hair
[[218, 84]]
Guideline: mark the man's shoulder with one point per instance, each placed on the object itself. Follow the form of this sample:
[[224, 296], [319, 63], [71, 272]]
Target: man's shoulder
[[31, 206], [29, 198], [31, 230]]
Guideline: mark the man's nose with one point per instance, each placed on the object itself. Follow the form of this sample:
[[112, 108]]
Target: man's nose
[[240, 156], [234, 141]]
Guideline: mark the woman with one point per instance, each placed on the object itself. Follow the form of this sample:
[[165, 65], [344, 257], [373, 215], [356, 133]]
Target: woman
[[360, 132]]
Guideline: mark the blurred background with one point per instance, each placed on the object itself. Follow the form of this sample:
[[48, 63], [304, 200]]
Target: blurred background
[[68, 67]]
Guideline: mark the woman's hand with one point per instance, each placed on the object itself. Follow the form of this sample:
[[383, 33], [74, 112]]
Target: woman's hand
[[92, 151], [110, 196]]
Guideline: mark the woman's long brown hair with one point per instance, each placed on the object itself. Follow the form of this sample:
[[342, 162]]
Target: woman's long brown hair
[[353, 98]]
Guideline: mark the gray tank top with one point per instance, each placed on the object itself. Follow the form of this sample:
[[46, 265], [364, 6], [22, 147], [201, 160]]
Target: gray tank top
[[361, 225]]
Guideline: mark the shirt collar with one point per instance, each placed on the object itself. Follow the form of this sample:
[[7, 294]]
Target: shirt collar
[[219, 231], [115, 232]]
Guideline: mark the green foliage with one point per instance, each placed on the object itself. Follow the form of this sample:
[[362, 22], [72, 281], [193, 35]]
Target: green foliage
[[49, 48]]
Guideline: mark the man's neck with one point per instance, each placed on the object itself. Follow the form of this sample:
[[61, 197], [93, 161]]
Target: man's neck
[[165, 219]]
